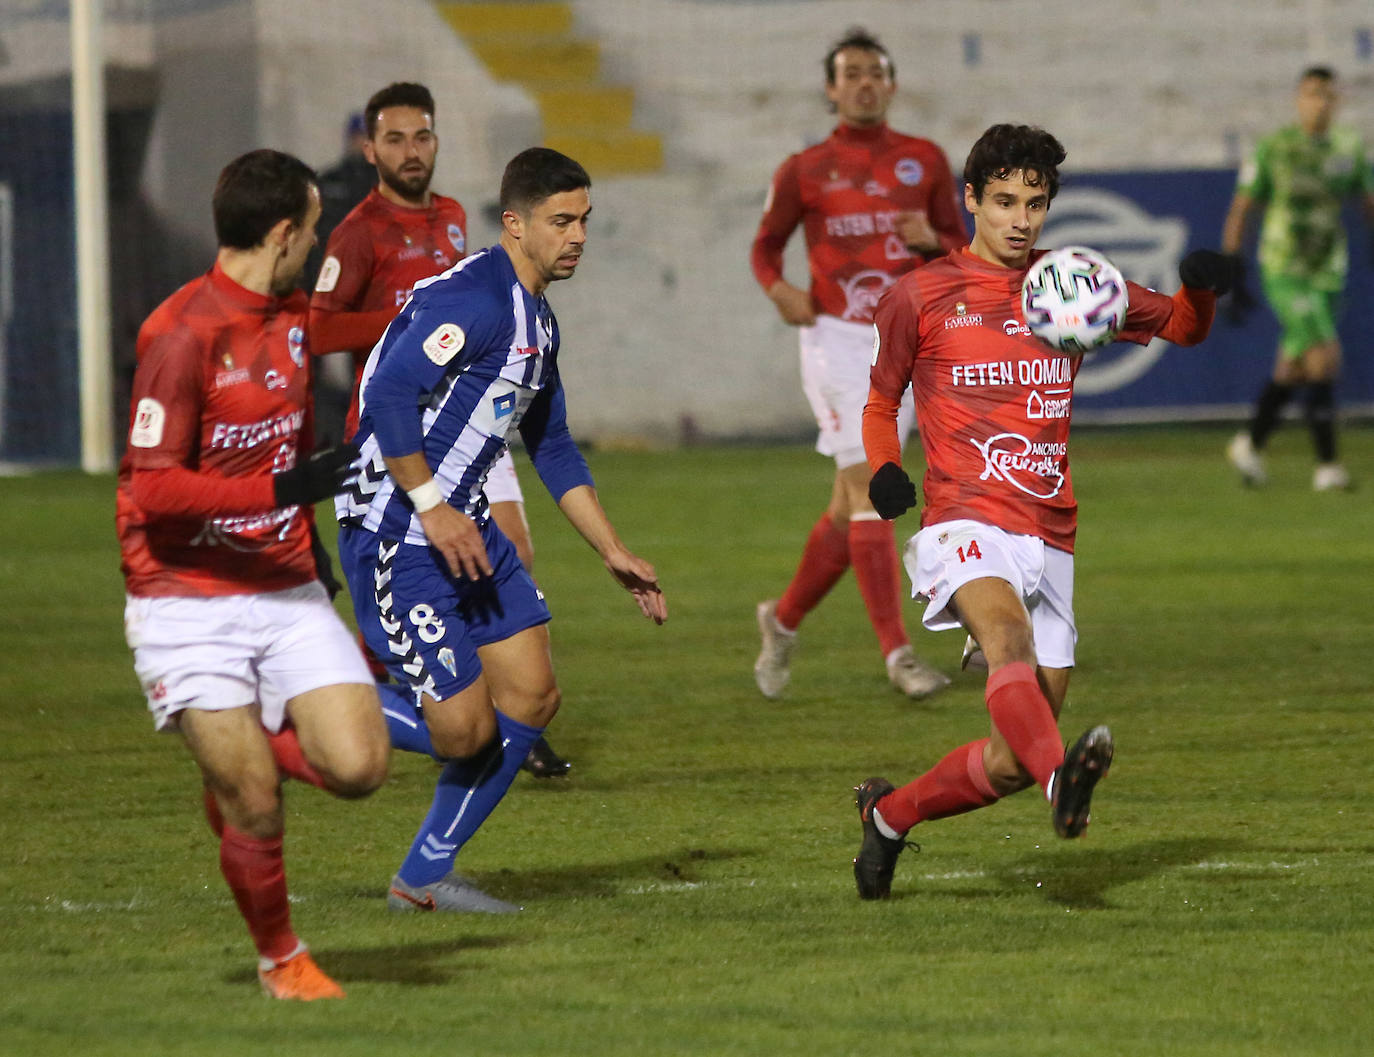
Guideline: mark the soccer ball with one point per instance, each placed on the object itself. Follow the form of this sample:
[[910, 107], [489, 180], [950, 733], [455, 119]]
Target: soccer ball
[[1074, 299]]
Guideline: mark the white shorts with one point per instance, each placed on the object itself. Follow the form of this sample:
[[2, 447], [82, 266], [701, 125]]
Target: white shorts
[[502, 485], [941, 558], [229, 651], [835, 360]]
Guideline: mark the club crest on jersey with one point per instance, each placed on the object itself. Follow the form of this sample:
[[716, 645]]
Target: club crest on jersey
[[295, 344], [149, 420], [443, 344], [457, 239], [908, 171], [503, 405], [329, 275]]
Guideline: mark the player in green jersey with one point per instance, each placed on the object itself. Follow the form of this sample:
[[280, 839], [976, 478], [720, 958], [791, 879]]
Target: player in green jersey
[[1299, 177]]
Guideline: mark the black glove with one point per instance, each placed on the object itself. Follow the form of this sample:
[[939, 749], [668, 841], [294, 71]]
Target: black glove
[[324, 568], [891, 491], [1209, 270], [325, 473]]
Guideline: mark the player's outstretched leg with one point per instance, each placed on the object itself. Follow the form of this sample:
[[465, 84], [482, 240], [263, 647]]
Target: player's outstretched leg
[[877, 857], [543, 762], [1085, 764]]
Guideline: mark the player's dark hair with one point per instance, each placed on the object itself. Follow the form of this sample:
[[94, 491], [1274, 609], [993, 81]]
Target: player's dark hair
[[856, 37], [1321, 73], [402, 93], [255, 191], [536, 174], [1003, 149]]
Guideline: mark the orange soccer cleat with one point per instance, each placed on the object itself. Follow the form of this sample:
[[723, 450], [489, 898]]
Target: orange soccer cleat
[[298, 978]]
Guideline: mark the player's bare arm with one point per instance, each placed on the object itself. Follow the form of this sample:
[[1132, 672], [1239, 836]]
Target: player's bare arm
[[451, 532], [1237, 219], [583, 509]]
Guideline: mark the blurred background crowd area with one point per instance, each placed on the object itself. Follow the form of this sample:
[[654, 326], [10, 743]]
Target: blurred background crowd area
[[681, 110]]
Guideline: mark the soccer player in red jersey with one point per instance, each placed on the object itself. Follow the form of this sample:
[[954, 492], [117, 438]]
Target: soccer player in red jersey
[[874, 204], [400, 233], [234, 638], [995, 550]]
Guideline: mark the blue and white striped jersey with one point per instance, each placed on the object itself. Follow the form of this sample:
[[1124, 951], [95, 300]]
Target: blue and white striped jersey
[[471, 356]]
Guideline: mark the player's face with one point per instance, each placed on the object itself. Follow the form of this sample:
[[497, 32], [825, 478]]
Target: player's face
[[403, 148], [551, 237], [1008, 220], [1316, 104], [863, 87], [299, 241]]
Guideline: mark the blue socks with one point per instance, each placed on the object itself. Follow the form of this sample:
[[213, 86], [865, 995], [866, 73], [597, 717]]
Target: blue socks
[[403, 720], [467, 792]]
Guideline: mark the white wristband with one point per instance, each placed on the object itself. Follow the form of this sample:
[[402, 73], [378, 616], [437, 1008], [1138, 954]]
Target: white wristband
[[426, 496]]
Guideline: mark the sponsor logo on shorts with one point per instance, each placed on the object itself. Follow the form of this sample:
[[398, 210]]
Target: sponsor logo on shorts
[[1032, 468], [503, 405], [446, 658]]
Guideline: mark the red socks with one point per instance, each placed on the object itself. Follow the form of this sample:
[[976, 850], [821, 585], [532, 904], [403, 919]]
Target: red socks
[[956, 784], [286, 749], [873, 551], [256, 875], [959, 782], [823, 562], [1022, 715]]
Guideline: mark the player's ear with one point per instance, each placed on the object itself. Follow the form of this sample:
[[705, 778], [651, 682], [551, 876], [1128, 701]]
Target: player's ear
[[513, 223], [970, 198], [279, 234]]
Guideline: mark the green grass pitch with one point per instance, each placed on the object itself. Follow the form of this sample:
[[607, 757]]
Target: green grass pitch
[[688, 889]]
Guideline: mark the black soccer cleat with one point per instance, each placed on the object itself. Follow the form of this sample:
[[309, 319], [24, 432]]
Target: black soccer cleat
[[1085, 764], [543, 762], [878, 854]]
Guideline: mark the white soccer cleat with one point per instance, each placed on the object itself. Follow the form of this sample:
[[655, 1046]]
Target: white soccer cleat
[[973, 659], [1242, 455], [1330, 477], [771, 670], [911, 675]]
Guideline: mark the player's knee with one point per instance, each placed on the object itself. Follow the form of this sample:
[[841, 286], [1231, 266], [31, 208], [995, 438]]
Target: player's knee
[[465, 737], [253, 808], [361, 771]]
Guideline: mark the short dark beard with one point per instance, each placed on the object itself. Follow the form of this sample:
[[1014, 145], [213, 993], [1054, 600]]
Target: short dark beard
[[411, 188]]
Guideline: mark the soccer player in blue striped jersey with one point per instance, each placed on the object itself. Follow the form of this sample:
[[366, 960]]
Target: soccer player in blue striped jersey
[[438, 591]]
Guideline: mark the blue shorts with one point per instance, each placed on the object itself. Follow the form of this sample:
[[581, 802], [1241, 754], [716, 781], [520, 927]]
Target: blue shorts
[[423, 622]]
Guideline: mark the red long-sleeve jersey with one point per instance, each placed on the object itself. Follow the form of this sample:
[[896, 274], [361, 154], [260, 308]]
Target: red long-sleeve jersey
[[847, 192]]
